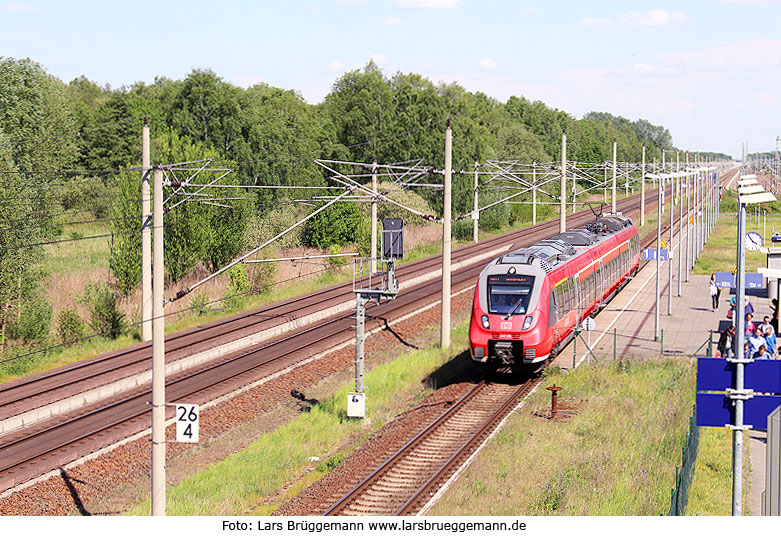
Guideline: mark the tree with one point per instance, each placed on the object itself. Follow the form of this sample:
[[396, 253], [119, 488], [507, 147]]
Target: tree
[[34, 116]]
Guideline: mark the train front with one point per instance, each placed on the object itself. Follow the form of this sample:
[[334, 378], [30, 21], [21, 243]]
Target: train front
[[509, 325]]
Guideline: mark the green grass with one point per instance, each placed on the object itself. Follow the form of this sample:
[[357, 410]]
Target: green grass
[[615, 456], [711, 488], [74, 256], [239, 484]]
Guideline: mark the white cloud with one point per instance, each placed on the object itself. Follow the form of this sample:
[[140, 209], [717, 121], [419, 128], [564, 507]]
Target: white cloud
[[20, 8], [653, 18], [391, 21], [487, 63], [335, 66], [379, 59], [429, 4]]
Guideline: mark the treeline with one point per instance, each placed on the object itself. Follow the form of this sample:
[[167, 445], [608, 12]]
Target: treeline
[[269, 136]]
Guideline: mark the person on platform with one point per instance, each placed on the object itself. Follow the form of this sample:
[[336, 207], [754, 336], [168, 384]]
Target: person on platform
[[774, 319], [754, 342], [750, 327], [714, 292], [762, 353], [771, 340], [764, 325], [726, 344]]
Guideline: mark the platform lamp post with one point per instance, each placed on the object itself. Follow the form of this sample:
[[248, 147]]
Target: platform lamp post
[[747, 194]]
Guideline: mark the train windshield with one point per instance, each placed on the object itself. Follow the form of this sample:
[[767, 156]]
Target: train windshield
[[506, 296]]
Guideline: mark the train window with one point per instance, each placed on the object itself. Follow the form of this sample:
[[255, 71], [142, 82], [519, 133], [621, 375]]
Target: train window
[[502, 298]]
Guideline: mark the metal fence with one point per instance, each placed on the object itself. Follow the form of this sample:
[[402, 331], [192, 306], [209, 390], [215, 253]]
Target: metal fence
[[683, 475]]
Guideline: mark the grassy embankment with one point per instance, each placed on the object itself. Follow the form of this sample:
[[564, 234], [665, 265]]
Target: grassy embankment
[[615, 456]]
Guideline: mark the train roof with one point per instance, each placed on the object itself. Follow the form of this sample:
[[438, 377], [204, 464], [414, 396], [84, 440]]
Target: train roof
[[549, 254]]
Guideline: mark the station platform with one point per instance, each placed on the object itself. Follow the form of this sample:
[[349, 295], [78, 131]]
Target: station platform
[[632, 315]]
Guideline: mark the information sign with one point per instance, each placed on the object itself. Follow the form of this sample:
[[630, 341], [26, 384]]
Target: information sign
[[589, 324], [725, 279], [650, 254], [754, 281], [188, 418], [714, 378]]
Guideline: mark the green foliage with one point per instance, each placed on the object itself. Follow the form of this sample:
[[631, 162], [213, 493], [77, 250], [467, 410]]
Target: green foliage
[[261, 275], [495, 217], [283, 216], [339, 224], [463, 229], [125, 261], [238, 288], [34, 321], [330, 463], [70, 326], [199, 303], [106, 318]]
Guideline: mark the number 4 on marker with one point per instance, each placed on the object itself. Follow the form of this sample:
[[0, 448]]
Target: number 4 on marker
[[187, 423]]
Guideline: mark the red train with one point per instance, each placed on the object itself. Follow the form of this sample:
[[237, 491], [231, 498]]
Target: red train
[[528, 302]]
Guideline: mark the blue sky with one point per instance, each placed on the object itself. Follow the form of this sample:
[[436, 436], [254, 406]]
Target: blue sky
[[706, 69]]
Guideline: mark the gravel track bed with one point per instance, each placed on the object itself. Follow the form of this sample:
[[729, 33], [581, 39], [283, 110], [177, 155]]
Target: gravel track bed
[[321, 495], [114, 481]]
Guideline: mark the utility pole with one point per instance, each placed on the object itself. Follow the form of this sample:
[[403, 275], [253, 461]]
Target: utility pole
[[658, 257], [670, 251], [146, 237], [158, 354], [374, 219], [679, 252], [534, 193], [737, 433], [446, 240], [475, 214], [563, 205], [688, 220], [615, 154], [642, 190]]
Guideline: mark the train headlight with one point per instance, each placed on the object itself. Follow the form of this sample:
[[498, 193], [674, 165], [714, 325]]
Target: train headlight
[[486, 323], [527, 322]]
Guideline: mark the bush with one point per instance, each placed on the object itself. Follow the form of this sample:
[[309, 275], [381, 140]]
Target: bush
[[105, 316], [261, 275], [34, 321], [338, 224], [239, 286], [463, 229], [496, 217], [70, 326], [199, 303], [261, 229]]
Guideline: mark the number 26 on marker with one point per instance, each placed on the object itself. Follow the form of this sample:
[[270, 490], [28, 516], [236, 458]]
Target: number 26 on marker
[[187, 423]]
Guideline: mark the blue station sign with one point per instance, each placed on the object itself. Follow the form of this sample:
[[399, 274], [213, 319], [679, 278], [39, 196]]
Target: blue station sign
[[715, 377]]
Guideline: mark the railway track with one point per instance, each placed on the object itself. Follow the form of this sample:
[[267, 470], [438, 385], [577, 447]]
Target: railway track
[[408, 479], [51, 443]]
